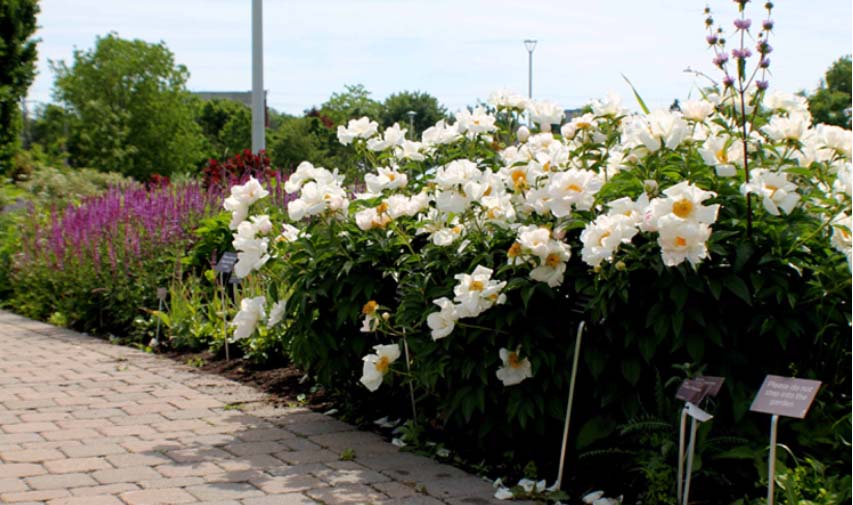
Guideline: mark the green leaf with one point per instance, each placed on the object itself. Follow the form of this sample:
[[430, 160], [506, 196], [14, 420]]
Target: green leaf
[[695, 347], [678, 295], [737, 286], [637, 95], [631, 370], [593, 430]]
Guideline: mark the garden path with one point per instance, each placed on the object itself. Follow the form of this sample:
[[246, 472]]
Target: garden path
[[86, 422]]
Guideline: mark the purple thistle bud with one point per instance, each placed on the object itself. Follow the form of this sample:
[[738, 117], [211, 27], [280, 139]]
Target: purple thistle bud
[[763, 47], [741, 54], [709, 21], [743, 24], [764, 63], [761, 85], [767, 25], [728, 81], [712, 39], [769, 6], [721, 59]]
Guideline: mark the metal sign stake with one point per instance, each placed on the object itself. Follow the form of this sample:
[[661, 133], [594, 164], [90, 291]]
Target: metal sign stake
[[411, 386], [224, 317], [771, 459], [681, 439], [690, 449], [569, 406]]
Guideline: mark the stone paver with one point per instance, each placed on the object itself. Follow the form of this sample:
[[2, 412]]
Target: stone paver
[[84, 422]]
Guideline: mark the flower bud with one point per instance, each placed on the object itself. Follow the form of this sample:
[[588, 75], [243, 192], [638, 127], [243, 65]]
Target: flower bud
[[523, 134], [650, 186], [620, 265], [386, 316]]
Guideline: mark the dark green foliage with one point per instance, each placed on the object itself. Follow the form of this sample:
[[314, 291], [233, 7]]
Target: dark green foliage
[[427, 110], [17, 70], [830, 104], [131, 108]]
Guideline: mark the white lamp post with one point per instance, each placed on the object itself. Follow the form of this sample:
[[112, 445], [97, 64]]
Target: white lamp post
[[258, 98], [530, 45]]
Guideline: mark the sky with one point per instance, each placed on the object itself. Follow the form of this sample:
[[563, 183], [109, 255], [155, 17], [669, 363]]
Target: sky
[[457, 50]]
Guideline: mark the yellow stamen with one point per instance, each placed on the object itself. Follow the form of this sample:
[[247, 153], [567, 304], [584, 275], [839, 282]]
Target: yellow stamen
[[773, 189], [382, 208], [382, 365], [573, 187], [552, 260], [722, 156], [519, 179], [369, 308], [476, 286], [513, 361], [682, 208], [391, 176], [514, 250], [603, 237], [680, 242]]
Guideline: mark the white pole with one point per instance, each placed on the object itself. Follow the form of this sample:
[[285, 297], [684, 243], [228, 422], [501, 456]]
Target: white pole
[[258, 98], [681, 437], [690, 449], [771, 459], [569, 405]]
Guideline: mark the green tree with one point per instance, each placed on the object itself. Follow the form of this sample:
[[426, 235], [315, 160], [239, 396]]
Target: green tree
[[830, 104], [227, 127], [300, 139], [49, 129], [425, 106], [353, 103], [134, 113], [17, 70]]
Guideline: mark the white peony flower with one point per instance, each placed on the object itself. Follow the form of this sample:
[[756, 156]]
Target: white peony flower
[[476, 121], [385, 178], [836, 138], [682, 201], [362, 128], [545, 114], [844, 180], [441, 134], [586, 122], [290, 233], [659, 129], [611, 105], [276, 313], [776, 192], [790, 103], [456, 173], [722, 153], [842, 239], [373, 217], [603, 236], [376, 366], [507, 99], [553, 266], [243, 196], [697, 110], [410, 150], [792, 127], [523, 133], [514, 369], [477, 292], [681, 240], [441, 323], [573, 189], [251, 312]]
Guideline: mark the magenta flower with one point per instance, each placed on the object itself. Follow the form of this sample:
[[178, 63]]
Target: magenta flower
[[743, 24]]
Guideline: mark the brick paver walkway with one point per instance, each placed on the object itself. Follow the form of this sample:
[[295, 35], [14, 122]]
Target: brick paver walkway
[[86, 422]]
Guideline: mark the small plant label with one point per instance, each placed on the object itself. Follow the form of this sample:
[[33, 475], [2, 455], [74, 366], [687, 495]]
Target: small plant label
[[690, 391], [711, 384], [785, 396], [226, 263]]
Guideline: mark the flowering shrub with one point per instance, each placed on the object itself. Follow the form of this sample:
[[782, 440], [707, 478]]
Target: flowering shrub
[[716, 239], [237, 169], [97, 265]]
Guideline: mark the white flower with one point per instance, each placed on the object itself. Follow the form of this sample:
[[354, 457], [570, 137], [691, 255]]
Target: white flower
[[514, 369], [573, 189], [385, 178], [585, 122], [276, 313], [844, 180], [545, 114], [553, 266], [477, 292], [251, 256], [660, 128], [722, 153], [842, 239], [682, 201], [534, 240], [290, 233], [836, 138], [242, 196], [410, 150], [392, 137], [441, 323], [603, 236], [792, 127], [476, 121], [440, 134], [775, 190], [507, 99], [697, 110], [780, 100], [456, 173], [372, 217], [362, 128], [523, 133], [318, 196], [376, 366], [611, 105], [246, 320], [681, 240]]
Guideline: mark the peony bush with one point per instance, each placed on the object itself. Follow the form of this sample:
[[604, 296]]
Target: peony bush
[[715, 239]]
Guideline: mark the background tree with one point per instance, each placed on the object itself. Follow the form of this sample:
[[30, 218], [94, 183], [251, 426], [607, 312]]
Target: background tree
[[353, 102], [830, 104], [17, 70], [426, 107], [227, 127], [135, 114]]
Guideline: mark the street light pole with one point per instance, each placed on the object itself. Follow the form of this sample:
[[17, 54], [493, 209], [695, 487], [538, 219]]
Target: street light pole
[[258, 98], [412, 115], [530, 45]]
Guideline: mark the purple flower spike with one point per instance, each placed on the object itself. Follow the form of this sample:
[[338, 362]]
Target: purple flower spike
[[743, 24], [767, 25], [763, 47], [712, 39], [721, 59], [761, 85], [764, 63], [728, 81]]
